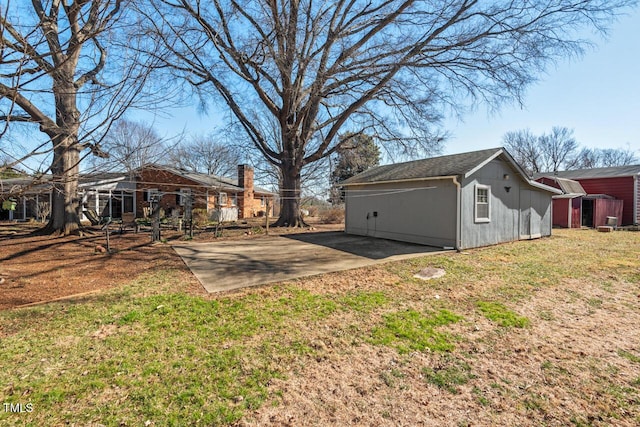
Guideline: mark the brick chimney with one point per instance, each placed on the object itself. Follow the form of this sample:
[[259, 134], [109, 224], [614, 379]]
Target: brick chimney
[[245, 198]]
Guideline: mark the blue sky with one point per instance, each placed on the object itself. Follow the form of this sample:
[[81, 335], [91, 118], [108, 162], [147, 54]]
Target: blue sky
[[598, 96]]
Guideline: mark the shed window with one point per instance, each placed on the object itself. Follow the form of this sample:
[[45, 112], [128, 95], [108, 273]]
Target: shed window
[[483, 203]]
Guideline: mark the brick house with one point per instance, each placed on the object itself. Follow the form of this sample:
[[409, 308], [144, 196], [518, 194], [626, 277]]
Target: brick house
[[221, 197], [116, 194]]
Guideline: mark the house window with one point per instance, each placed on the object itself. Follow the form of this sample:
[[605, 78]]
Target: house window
[[184, 196], [483, 203], [234, 199], [222, 199], [262, 201], [149, 193]]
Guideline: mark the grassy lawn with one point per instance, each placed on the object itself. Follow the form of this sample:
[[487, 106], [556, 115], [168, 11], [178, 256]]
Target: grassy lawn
[[543, 332]]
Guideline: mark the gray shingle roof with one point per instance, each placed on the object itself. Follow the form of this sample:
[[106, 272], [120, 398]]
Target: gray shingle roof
[[454, 164], [215, 181], [610, 172]]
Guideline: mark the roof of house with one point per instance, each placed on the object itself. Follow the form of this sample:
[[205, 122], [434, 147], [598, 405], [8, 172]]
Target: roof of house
[[39, 184], [610, 172], [88, 179], [214, 181], [464, 164]]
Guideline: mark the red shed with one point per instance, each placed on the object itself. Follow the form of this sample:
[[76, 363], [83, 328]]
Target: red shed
[[575, 208], [620, 182]]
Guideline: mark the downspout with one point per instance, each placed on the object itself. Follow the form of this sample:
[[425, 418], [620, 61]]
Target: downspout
[[458, 214], [636, 198]]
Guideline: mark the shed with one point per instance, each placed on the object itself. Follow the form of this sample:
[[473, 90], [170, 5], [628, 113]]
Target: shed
[[619, 182], [460, 201], [575, 208]]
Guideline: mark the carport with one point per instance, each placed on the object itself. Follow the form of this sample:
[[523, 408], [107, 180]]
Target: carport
[[235, 264]]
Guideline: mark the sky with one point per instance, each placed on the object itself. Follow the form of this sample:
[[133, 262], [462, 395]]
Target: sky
[[597, 95]]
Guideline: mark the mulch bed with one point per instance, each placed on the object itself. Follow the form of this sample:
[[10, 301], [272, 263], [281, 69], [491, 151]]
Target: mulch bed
[[35, 268]]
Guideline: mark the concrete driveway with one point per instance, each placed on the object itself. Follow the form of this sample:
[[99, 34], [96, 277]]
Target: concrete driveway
[[229, 265]]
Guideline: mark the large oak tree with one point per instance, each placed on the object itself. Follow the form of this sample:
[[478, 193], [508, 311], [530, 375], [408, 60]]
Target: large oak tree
[[53, 66], [320, 69]]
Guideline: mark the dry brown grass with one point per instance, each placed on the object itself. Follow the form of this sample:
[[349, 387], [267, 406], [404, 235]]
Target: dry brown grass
[[577, 363], [333, 215]]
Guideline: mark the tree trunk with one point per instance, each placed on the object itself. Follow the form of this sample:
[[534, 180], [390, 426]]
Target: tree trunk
[[65, 204], [290, 215], [65, 167]]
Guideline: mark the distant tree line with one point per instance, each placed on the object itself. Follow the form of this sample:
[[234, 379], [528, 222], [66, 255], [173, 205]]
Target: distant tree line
[[559, 150]]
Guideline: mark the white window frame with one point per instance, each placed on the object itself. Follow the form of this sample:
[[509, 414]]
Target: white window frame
[[263, 202], [234, 199], [184, 192], [222, 199], [150, 192], [477, 202]]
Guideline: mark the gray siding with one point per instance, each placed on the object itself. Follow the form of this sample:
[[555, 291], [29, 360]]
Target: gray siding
[[504, 205], [420, 212], [520, 212]]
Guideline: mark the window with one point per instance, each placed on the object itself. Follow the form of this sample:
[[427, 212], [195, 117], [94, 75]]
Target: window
[[234, 199], [262, 201], [222, 199], [149, 193], [483, 203], [184, 196]]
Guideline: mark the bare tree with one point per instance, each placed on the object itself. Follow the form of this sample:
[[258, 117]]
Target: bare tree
[[523, 145], [387, 68], [605, 157], [617, 157], [559, 150], [206, 154], [130, 145], [53, 74], [548, 152]]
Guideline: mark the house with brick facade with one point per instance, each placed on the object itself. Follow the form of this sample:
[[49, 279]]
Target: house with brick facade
[[222, 198], [116, 194]]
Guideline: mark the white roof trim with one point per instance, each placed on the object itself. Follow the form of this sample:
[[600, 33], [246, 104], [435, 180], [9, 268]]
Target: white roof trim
[[518, 169], [481, 165], [544, 187]]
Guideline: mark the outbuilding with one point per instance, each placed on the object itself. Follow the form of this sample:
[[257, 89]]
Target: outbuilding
[[575, 208], [459, 201], [618, 182]]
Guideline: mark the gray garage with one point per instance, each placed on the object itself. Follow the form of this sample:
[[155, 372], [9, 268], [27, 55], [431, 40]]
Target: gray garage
[[457, 201]]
